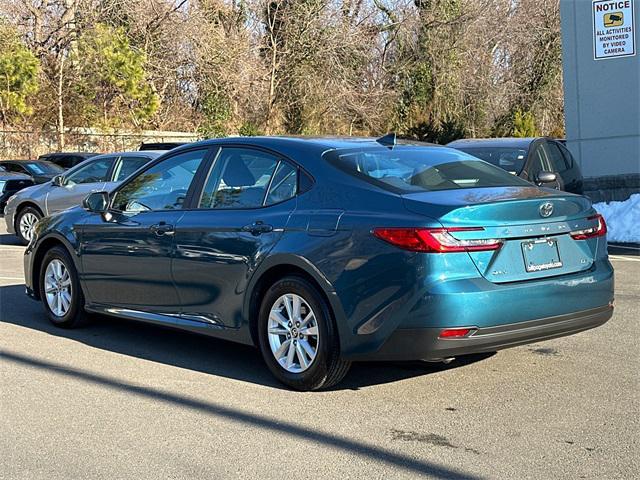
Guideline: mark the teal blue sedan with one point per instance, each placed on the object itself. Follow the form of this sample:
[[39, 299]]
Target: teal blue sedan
[[325, 251]]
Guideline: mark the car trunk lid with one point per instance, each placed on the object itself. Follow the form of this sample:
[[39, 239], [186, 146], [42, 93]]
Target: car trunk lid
[[534, 225]]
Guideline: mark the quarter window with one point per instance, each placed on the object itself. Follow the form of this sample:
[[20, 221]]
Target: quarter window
[[239, 179], [161, 187], [284, 184]]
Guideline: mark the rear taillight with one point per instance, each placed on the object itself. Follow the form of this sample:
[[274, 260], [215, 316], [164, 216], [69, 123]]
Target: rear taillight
[[596, 231], [435, 240]]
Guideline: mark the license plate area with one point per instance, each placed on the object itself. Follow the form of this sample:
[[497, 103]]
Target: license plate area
[[541, 254]]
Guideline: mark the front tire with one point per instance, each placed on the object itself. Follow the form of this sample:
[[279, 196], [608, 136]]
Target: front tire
[[298, 338], [25, 223], [60, 290]]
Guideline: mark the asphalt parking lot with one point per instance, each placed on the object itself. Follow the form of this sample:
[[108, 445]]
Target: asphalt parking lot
[[124, 400]]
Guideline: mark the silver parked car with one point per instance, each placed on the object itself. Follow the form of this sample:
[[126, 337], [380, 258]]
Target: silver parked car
[[99, 173]]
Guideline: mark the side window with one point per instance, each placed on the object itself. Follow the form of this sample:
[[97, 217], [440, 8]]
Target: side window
[[284, 184], [12, 167], [127, 165], [161, 187], [64, 162], [538, 163], [61, 161], [555, 157], [568, 158], [93, 172], [239, 179]]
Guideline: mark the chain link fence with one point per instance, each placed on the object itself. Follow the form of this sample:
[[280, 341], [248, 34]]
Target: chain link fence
[[30, 144]]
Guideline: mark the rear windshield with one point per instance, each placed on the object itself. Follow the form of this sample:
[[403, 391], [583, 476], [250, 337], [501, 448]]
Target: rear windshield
[[414, 169], [509, 158]]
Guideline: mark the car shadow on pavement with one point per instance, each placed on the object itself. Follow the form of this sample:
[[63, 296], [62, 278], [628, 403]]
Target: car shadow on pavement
[[298, 432], [196, 352]]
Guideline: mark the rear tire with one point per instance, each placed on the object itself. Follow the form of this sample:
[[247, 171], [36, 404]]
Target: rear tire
[[25, 222], [298, 337], [60, 290]]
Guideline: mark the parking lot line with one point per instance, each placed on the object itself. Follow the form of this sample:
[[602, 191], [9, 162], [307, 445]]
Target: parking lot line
[[623, 258]]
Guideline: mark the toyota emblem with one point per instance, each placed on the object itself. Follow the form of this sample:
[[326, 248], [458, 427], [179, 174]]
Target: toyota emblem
[[546, 209]]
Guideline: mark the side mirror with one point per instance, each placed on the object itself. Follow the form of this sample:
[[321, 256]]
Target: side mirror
[[58, 181], [545, 177], [96, 202]]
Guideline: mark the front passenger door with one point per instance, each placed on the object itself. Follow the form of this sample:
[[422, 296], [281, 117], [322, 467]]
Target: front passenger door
[[539, 162], [557, 163], [77, 184], [127, 254]]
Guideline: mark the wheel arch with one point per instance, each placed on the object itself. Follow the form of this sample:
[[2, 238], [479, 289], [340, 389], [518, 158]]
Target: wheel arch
[[21, 207], [280, 266], [41, 249]]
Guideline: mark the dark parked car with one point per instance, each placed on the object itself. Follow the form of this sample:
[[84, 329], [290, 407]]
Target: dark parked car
[[540, 160], [66, 160], [40, 171], [324, 251], [160, 145], [11, 183]]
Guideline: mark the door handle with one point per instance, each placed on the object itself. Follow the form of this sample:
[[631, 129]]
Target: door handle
[[162, 228], [257, 228]]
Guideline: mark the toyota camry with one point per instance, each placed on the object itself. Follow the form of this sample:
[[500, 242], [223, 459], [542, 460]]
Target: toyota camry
[[325, 251]]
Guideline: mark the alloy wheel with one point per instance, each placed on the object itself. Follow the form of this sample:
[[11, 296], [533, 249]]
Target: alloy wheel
[[27, 222], [57, 287], [293, 333]]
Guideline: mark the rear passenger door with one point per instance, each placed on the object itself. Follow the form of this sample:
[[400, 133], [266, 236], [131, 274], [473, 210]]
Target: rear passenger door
[[572, 176], [125, 166], [236, 218]]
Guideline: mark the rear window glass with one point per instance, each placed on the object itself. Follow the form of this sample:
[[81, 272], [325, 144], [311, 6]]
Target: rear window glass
[[413, 169], [507, 158]]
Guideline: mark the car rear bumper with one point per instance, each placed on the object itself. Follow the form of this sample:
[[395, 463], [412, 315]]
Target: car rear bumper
[[425, 344]]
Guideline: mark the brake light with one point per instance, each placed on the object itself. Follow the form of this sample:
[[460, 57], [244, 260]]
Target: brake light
[[456, 332], [435, 240], [597, 231]]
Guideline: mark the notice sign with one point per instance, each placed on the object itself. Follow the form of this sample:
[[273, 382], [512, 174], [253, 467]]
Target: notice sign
[[613, 29]]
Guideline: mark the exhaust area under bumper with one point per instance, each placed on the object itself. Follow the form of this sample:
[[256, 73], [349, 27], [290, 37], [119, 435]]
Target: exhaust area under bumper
[[426, 344]]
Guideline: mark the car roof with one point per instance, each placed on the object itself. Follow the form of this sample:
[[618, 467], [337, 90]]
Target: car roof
[[136, 153], [304, 150], [24, 160], [494, 142], [332, 142], [66, 154]]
